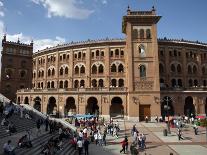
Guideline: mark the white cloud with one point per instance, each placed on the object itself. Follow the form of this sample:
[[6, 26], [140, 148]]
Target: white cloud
[[104, 2], [64, 8], [1, 9], [39, 44]]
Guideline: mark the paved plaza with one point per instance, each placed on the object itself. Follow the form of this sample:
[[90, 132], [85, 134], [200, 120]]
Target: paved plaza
[[157, 144]]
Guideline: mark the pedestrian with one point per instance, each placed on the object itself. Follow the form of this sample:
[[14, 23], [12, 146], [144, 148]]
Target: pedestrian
[[80, 146], [195, 129], [104, 138], [126, 144], [38, 124], [46, 124], [86, 145], [123, 144], [180, 134], [156, 118], [146, 119]]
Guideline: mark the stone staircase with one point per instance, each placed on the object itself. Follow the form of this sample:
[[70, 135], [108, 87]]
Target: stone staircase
[[21, 124]]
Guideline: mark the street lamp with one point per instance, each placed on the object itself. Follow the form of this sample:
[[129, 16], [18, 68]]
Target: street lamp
[[167, 108]]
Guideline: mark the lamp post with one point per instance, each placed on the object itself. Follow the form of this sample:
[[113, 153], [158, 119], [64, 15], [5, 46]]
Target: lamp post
[[167, 108]]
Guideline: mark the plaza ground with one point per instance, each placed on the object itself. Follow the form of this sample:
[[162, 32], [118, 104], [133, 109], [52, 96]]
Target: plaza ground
[[156, 143]]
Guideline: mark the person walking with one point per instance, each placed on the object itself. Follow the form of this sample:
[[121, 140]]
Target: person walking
[[180, 134], [195, 129], [80, 146], [123, 144], [46, 124], [86, 146]]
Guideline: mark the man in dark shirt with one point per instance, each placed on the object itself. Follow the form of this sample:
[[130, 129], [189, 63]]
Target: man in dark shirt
[[86, 144]]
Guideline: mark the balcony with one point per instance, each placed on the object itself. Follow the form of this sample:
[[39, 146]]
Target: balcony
[[95, 89]]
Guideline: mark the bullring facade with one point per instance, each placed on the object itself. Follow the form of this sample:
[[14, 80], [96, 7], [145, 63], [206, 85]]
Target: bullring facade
[[133, 77]]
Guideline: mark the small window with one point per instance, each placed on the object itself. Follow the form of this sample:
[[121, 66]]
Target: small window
[[148, 34], [64, 56], [102, 53], [92, 55], [142, 71], [142, 51], [141, 33], [122, 53], [111, 53]]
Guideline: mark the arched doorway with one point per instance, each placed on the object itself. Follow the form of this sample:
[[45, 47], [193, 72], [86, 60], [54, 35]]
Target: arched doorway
[[92, 106], [167, 108], [26, 100], [189, 108], [52, 107], [116, 108], [37, 103], [70, 107]]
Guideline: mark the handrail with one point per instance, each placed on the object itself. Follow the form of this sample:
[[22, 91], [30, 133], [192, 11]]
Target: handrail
[[62, 121]]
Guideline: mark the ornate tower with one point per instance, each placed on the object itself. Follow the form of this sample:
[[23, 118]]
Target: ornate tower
[[16, 67], [142, 63]]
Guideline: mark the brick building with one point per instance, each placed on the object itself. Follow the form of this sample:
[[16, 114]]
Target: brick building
[[16, 67], [134, 77]]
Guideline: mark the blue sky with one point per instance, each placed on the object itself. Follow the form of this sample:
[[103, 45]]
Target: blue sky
[[50, 22]]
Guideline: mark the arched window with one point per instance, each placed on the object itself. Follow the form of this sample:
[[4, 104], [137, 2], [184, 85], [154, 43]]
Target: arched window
[[102, 53], [204, 83], [48, 84], [141, 33], [97, 53], [111, 53], [53, 72], [113, 82], [122, 53], [66, 84], [203, 70], [113, 68], [41, 84], [94, 69], [82, 70], [120, 68], [121, 83], [148, 34], [42, 73], [34, 75], [196, 83], [189, 70], [161, 68], [142, 71], [101, 83], [142, 52], [39, 74], [66, 70], [194, 69], [52, 84], [76, 70], [135, 34], [173, 83], [61, 71], [49, 72], [190, 83], [82, 83], [22, 74], [100, 69], [23, 63], [61, 84], [180, 84], [94, 83], [117, 52], [173, 68], [179, 68], [76, 84], [79, 55]]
